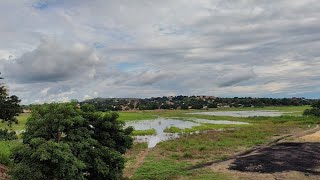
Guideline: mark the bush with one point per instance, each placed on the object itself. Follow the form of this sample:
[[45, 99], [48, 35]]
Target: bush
[[6, 148], [6, 135], [315, 111]]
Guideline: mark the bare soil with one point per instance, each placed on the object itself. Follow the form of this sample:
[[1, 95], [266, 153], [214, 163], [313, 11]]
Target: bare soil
[[3, 173]]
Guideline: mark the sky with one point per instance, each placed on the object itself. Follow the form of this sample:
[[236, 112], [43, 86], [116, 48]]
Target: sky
[[57, 50]]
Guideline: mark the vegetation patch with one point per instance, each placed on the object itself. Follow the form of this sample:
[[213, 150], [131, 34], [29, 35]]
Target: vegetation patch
[[7, 135], [205, 174], [18, 125], [203, 127], [6, 148], [160, 169], [131, 157], [144, 132], [134, 116]]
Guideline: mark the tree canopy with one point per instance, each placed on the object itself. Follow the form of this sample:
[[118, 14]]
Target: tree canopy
[[9, 105], [62, 141], [314, 111]]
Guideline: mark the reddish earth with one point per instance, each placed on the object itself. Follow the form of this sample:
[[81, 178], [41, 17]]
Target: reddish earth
[[3, 172]]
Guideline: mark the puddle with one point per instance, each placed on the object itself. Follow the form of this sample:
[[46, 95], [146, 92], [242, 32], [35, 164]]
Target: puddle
[[270, 113], [160, 124]]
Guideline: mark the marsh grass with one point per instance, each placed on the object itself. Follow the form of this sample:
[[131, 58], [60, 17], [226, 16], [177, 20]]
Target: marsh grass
[[136, 115], [144, 132], [203, 127]]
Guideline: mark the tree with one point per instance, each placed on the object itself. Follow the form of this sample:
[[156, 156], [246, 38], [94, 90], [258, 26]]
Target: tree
[[9, 105], [314, 111], [62, 141]]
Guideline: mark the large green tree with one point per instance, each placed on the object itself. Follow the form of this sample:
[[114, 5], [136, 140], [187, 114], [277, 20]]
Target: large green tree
[[62, 141], [9, 105]]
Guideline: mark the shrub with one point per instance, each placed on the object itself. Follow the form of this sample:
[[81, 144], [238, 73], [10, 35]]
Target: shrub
[[6, 135]]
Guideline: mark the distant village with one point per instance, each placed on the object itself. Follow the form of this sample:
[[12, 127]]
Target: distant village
[[190, 102]]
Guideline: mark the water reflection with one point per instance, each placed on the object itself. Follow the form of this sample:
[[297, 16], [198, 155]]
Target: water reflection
[[161, 124]]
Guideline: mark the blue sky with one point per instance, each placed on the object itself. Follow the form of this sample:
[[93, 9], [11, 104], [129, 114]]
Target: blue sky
[[56, 50]]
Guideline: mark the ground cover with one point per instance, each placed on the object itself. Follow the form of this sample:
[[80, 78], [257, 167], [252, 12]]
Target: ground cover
[[171, 159]]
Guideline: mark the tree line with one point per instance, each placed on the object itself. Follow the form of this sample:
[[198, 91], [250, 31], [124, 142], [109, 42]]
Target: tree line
[[190, 102]]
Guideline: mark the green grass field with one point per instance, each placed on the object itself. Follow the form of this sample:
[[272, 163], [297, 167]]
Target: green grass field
[[169, 159]]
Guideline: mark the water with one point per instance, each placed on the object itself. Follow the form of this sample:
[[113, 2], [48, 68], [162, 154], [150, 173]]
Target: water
[[270, 113], [160, 124]]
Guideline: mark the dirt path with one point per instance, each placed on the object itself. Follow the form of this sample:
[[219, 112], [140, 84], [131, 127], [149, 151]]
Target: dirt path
[[139, 162]]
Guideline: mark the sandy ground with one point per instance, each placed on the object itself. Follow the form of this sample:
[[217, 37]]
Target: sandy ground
[[315, 137]]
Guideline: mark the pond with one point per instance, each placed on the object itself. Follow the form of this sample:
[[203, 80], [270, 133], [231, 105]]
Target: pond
[[270, 113], [161, 124]]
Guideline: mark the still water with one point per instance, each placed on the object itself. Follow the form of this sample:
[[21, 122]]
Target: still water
[[161, 123]]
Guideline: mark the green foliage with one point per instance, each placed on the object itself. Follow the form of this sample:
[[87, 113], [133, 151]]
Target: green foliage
[[62, 141], [43, 159], [9, 106], [6, 135], [314, 111], [6, 148]]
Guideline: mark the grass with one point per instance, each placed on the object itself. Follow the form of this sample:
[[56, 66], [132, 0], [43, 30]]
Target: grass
[[203, 127], [22, 119], [131, 155], [158, 169], [6, 148], [144, 132], [205, 174], [137, 115]]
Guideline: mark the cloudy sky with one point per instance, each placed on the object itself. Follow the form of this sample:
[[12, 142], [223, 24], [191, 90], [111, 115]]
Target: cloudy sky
[[55, 50]]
